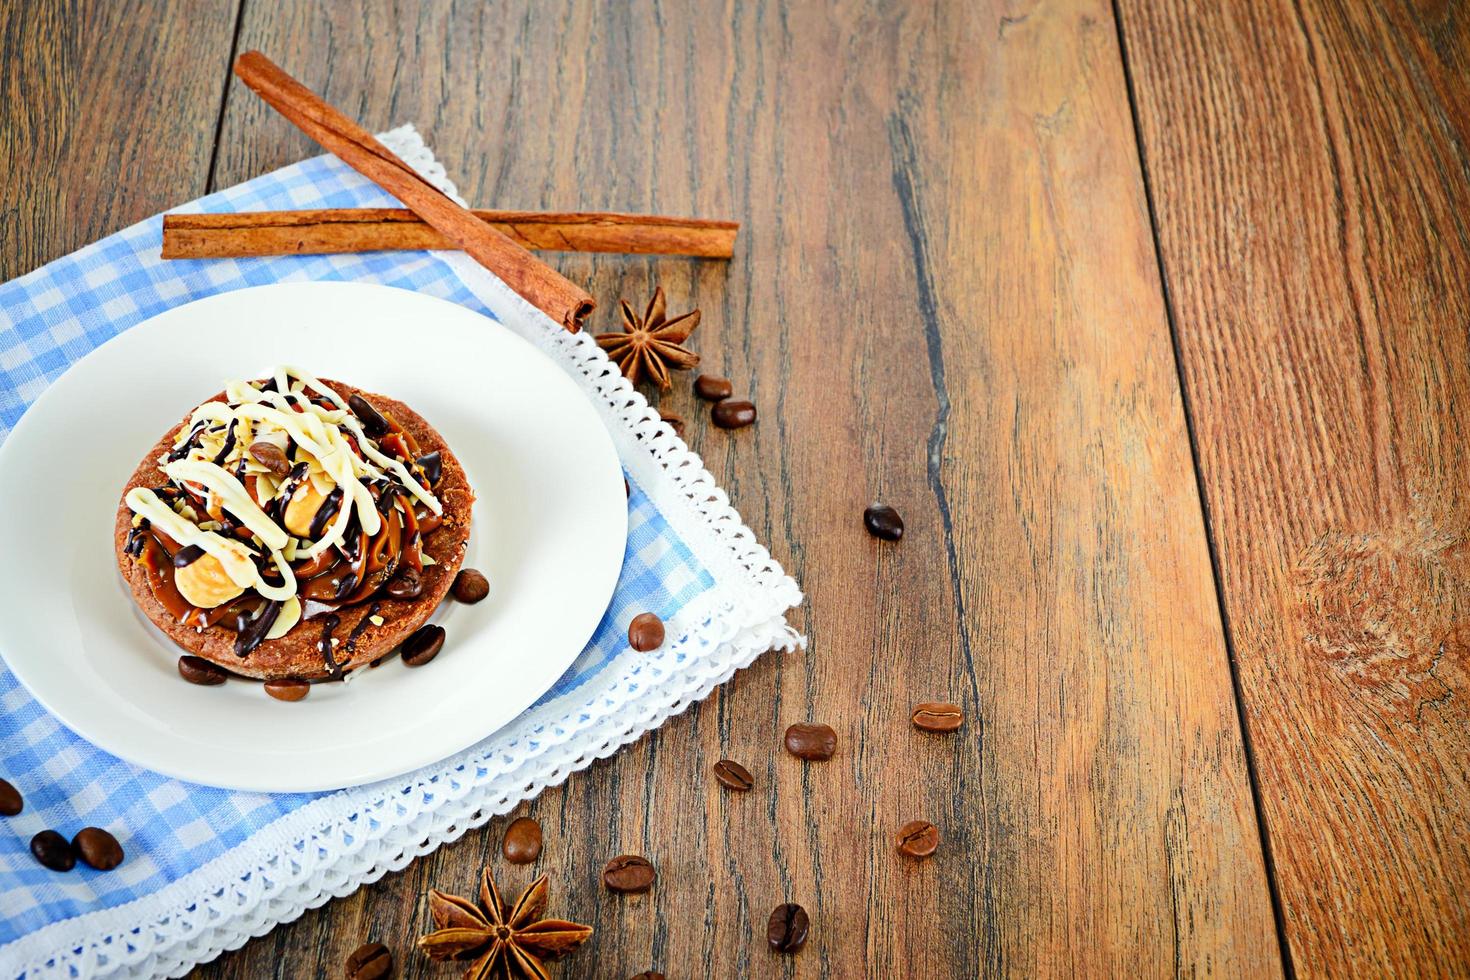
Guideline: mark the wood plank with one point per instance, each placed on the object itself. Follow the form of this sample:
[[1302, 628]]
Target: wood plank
[[946, 296], [1309, 168], [107, 115]]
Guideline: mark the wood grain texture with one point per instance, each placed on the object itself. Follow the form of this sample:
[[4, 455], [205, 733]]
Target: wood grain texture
[[107, 115], [1309, 167], [947, 298]]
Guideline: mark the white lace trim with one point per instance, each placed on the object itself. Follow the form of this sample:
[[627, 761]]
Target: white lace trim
[[334, 845]]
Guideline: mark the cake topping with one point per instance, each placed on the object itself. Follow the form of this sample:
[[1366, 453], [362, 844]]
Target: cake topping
[[283, 501]]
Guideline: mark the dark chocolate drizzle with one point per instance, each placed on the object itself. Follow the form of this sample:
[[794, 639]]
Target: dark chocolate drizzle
[[187, 555], [253, 631], [224, 451], [325, 513], [329, 623], [359, 629]]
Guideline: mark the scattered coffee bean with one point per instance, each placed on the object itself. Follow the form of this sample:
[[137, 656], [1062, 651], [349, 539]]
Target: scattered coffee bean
[[470, 586], [370, 961], [628, 873], [675, 422], [423, 645], [53, 851], [814, 743], [272, 457], [732, 415], [649, 975], [11, 802], [918, 839], [289, 689], [732, 775], [883, 522], [406, 584], [786, 931], [197, 670], [98, 848], [522, 843], [938, 716], [646, 632], [712, 388]]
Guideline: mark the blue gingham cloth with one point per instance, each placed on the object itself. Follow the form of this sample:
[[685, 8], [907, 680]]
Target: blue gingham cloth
[[181, 836]]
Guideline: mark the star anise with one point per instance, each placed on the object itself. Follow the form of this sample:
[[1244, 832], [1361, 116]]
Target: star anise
[[499, 938], [650, 345]]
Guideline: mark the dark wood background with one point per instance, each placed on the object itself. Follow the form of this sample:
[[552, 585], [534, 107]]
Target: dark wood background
[[1151, 319]]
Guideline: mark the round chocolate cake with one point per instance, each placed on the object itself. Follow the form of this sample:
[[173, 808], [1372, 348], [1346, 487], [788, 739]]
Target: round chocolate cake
[[293, 527]]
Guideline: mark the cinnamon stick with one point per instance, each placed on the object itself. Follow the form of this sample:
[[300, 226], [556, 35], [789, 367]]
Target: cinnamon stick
[[542, 286], [218, 236]]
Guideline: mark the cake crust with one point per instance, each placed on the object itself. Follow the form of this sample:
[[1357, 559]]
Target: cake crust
[[298, 654]]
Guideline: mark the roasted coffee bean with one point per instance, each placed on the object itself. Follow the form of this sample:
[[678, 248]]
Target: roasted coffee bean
[[423, 645], [187, 555], [433, 466], [372, 420], [732, 775], [522, 843], [732, 415], [53, 851], [918, 839], [289, 689], [370, 961], [646, 632], [628, 873], [470, 586], [814, 743], [98, 848], [649, 975], [272, 457], [197, 670], [407, 584], [675, 422], [938, 716], [787, 928], [11, 802], [883, 522], [712, 388]]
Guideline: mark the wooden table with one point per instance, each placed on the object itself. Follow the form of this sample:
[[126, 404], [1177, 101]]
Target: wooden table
[[1151, 318]]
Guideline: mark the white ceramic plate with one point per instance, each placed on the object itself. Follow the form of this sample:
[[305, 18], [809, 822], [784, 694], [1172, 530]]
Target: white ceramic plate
[[550, 526]]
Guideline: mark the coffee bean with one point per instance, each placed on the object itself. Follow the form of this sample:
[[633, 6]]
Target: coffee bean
[[918, 839], [675, 422], [406, 584], [98, 848], [938, 716], [372, 420], [197, 670], [732, 415], [732, 775], [883, 522], [814, 743], [649, 975], [522, 843], [712, 388], [288, 689], [786, 931], [628, 873], [11, 802], [370, 961], [272, 457], [646, 632], [423, 645], [470, 586], [53, 851]]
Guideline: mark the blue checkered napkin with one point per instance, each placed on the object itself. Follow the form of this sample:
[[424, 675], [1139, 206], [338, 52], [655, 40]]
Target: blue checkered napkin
[[208, 868]]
